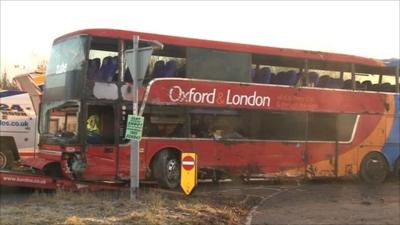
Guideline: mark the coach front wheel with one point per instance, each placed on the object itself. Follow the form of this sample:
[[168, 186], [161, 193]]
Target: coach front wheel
[[167, 170], [374, 168], [396, 171]]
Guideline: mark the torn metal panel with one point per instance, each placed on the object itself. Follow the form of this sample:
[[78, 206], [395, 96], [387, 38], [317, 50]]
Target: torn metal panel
[[107, 91]]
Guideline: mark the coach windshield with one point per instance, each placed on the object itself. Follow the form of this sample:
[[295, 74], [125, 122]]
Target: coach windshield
[[65, 69], [59, 123]]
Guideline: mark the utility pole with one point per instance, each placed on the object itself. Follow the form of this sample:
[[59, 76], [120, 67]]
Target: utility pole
[[135, 143], [138, 61]]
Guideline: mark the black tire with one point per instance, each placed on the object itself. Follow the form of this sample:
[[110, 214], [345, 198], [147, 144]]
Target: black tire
[[216, 176], [374, 168], [167, 170], [238, 180], [396, 171], [6, 159]]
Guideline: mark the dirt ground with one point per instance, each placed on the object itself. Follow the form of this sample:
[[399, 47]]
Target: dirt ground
[[331, 203], [257, 203]]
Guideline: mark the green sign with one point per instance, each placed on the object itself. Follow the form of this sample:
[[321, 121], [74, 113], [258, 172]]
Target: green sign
[[134, 127]]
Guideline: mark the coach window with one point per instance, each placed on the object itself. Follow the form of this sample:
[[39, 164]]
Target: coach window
[[281, 125], [166, 126], [59, 123], [388, 83], [165, 121], [321, 127], [366, 82], [167, 62], [346, 125], [63, 121], [331, 127], [103, 60], [201, 125], [100, 124], [214, 64], [211, 123], [228, 127]]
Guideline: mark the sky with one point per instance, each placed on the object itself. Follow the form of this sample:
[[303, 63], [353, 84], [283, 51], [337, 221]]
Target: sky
[[363, 28]]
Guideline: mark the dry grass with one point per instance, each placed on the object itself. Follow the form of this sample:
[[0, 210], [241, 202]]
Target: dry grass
[[104, 208]]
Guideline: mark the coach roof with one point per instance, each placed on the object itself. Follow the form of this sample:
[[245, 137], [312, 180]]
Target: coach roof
[[228, 46]]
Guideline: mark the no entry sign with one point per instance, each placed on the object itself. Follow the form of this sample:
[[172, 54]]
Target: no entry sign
[[188, 172], [188, 162]]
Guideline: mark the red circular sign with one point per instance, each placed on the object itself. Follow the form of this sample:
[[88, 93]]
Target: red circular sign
[[188, 163]]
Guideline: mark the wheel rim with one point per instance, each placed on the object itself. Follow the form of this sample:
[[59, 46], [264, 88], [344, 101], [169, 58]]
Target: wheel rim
[[172, 170], [375, 168], [3, 161]]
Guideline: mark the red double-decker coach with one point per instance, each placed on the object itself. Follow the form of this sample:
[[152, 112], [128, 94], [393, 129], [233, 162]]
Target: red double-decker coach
[[247, 111]]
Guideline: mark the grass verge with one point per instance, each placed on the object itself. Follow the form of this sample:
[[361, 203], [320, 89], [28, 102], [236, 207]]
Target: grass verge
[[152, 208]]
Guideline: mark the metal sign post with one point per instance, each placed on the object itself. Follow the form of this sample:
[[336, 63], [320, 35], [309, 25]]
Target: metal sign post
[[135, 143], [137, 60]]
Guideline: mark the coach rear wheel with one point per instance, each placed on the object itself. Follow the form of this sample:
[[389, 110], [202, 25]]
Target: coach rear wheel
[[374, 168], [397, 169], [6, 159], [216, 176], [167, 170]]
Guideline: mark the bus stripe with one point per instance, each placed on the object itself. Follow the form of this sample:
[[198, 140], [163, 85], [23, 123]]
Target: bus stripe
[[391, 149]]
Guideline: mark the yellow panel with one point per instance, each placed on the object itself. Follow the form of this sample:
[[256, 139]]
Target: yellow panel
[[351, 160], [39, 80], [188, 172]]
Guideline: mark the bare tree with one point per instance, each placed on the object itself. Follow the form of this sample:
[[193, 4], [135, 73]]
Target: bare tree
[[5, 84]]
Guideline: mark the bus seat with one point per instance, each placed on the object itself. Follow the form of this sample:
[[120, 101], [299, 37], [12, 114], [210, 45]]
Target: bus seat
[[263, 76], [333, 83], [182, 71], [114, 74], [106, 63], [366, 85], [290, 78], [93, 68], [386, 87], [374, 87], [253, 74], [313, 78], [393, 88], [347, 84], [336, 83], [171, 68], [108, 68], [358, 85], [279, 76], [323, 81], [159, 68], [273, 77]]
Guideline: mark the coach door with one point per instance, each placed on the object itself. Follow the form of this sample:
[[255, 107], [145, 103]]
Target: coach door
[[101, 149], [328, 136]]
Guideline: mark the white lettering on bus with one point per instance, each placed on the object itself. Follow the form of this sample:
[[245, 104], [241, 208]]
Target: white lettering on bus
[[177, 94], [252, 100], [25, 180], [61, 68]]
